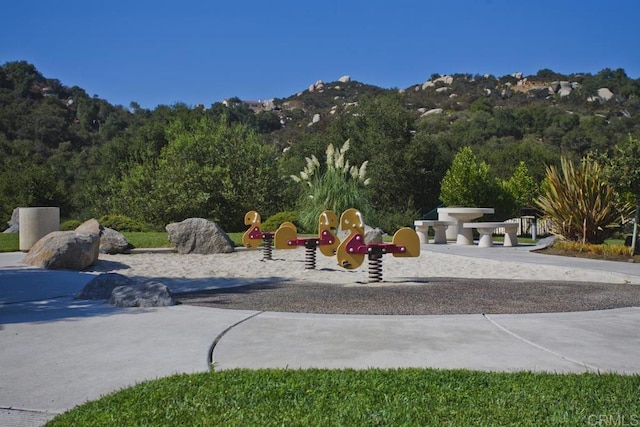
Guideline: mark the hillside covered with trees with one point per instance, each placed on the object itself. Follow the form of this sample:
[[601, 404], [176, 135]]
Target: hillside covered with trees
[[59, 146]]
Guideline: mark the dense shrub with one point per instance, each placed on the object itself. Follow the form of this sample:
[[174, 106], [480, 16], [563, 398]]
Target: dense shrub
[[122, 223], [336, 186], [273, 222], [69, 225], [582, 205]]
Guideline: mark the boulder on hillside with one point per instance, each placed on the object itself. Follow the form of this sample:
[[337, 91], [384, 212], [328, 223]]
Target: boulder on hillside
[[103, 285], [64, 250], [565, 88], [605, 94], [148, 294], [113, 242], [199, 236], [432, 112], [14, 223]]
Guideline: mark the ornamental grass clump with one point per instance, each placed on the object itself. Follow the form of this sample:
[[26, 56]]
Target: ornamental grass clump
[[337, 187], [581, 204]]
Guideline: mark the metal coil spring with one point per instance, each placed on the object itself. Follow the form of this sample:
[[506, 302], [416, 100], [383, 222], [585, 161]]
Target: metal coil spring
[[310, 258], [375, 268], [268, 250]]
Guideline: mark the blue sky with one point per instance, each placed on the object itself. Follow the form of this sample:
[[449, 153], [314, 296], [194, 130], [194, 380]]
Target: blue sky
[[196, 51]]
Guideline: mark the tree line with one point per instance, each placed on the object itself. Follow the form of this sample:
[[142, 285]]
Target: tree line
[[60, 146]]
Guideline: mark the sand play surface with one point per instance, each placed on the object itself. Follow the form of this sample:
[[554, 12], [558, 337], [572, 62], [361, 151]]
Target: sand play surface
[[433, 283]]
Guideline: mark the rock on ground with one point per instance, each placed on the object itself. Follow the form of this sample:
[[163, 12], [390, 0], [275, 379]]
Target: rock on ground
[[199, 236], [149, 294], [103, 285], [113, 242], [64, 250]]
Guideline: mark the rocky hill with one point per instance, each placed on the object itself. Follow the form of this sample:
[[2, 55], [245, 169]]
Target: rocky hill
[[608, 94]]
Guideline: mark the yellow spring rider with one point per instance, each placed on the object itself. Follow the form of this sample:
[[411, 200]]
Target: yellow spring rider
[[286, 237], [353, 249], [254, 236]]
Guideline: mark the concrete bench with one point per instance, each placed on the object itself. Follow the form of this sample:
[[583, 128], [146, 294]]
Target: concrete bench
[[486, 229], [439, 228]]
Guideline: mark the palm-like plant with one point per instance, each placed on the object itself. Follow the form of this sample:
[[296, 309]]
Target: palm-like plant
[[581, 204], [336, 187]]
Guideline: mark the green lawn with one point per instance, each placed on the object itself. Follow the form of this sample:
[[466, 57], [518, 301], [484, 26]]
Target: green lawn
[[367, 397], [9, 242]]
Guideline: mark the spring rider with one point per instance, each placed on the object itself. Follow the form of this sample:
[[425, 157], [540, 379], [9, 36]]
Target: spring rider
[[286, 237], [352, 250], [254, 236]]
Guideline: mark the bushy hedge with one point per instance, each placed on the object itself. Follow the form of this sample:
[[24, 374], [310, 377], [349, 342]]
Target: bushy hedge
[[69, 225], [273, 222], [122, 223]]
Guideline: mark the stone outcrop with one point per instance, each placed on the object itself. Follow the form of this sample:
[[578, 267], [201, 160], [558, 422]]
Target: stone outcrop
[[148, 294], [432, 112], [64, 250], [447, 80], [604, 94], [199, 236], [14, 223], [565, 88], [101, 287], [113, 242], [91, 226], [344, 79], [317, 86]]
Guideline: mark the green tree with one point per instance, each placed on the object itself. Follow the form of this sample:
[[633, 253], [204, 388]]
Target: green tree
[[624, 172], [522, 186], [208, 169], [467, 182]]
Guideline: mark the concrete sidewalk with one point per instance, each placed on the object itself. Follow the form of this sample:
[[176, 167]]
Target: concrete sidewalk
[[58, 352]]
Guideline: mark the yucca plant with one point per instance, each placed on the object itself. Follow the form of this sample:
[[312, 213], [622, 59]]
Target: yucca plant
[[336, 187], [581, 204]]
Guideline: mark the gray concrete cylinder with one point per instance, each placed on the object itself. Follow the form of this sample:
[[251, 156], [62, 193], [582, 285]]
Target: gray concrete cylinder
[[35, 223]]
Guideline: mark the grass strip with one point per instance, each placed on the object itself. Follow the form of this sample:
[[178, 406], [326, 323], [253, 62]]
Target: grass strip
[[9, 242], [313, 397]]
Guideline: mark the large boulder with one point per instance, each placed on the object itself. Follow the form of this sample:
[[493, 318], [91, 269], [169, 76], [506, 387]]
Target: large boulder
[[605, 94], [113, 242], [371, 235], [64, 250], [101, 286], [148, 294], [91, 226], [565, 88], [199, 236], [14, 224]]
